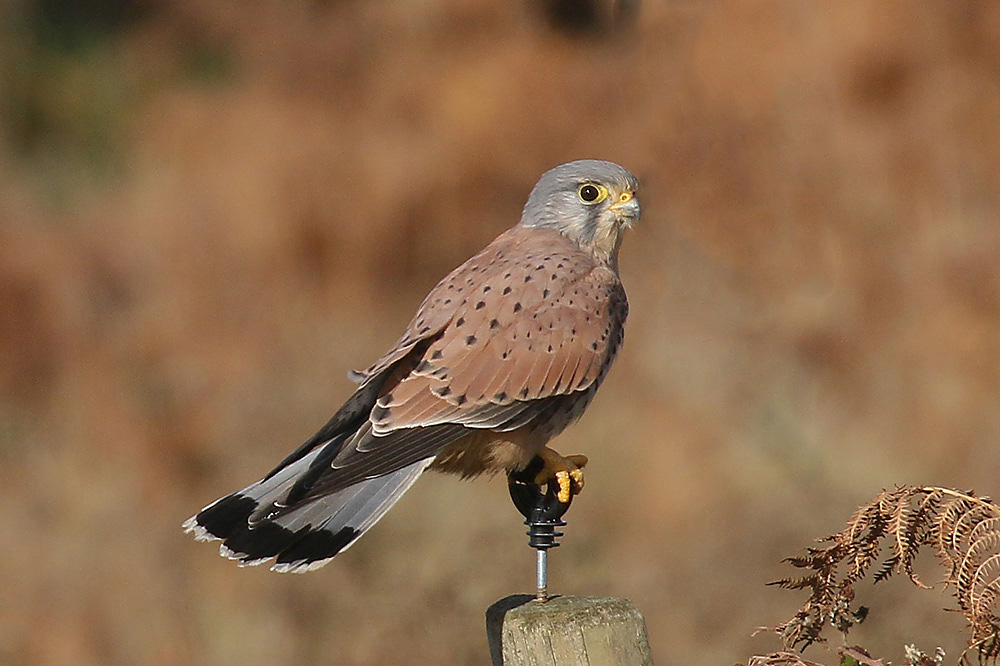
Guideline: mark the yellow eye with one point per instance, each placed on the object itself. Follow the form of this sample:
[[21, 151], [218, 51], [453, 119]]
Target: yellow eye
[[590, 193]]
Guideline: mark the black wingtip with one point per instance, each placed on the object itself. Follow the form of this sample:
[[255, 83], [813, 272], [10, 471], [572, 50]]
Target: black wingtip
[[317, 545], [226, 516], [228, 519], [261, 542]]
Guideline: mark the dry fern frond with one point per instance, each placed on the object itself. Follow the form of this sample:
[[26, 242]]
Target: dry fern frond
[[847, 656], [917, 657], [858, 656], [962, 529], [780, 659]]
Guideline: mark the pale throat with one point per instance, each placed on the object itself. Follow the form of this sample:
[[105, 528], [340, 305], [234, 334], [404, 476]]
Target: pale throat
[[605, 243]]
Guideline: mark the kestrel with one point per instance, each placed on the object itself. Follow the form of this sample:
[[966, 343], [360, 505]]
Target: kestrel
[[502, 355]]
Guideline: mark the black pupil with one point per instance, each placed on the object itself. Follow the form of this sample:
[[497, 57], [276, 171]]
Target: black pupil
[[588, 192]]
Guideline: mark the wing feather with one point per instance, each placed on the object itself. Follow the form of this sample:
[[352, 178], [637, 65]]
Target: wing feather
[[514, 340], [503, 336]]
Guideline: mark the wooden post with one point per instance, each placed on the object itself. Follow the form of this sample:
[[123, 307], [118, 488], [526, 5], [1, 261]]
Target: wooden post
[[566, 631]]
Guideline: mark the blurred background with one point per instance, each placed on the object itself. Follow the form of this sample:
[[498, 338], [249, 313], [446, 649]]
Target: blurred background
[[210, 211]]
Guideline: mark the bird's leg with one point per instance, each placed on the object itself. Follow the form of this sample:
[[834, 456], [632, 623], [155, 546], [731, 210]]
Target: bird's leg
[[566, 470]]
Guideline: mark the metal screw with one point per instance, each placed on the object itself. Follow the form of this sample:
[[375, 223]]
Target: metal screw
[[542, 511]]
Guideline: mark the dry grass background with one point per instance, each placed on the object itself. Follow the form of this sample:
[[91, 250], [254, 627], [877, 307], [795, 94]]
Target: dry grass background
[[213, 211]]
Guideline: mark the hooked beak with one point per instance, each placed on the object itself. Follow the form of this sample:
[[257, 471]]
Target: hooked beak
[[626, 209]]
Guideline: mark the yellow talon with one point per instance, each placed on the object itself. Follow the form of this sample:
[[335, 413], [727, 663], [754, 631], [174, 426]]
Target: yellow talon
[[566, 470]]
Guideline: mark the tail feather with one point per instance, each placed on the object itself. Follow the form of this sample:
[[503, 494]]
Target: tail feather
[[305, 537]]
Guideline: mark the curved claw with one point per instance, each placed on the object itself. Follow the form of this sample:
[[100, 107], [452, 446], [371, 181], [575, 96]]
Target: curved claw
[[566, 470]]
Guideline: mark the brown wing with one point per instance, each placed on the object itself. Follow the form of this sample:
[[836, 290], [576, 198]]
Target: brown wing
[[535, 317], [529, 319]]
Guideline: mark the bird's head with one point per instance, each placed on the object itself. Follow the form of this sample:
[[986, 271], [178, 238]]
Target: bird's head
[[590, 201]]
